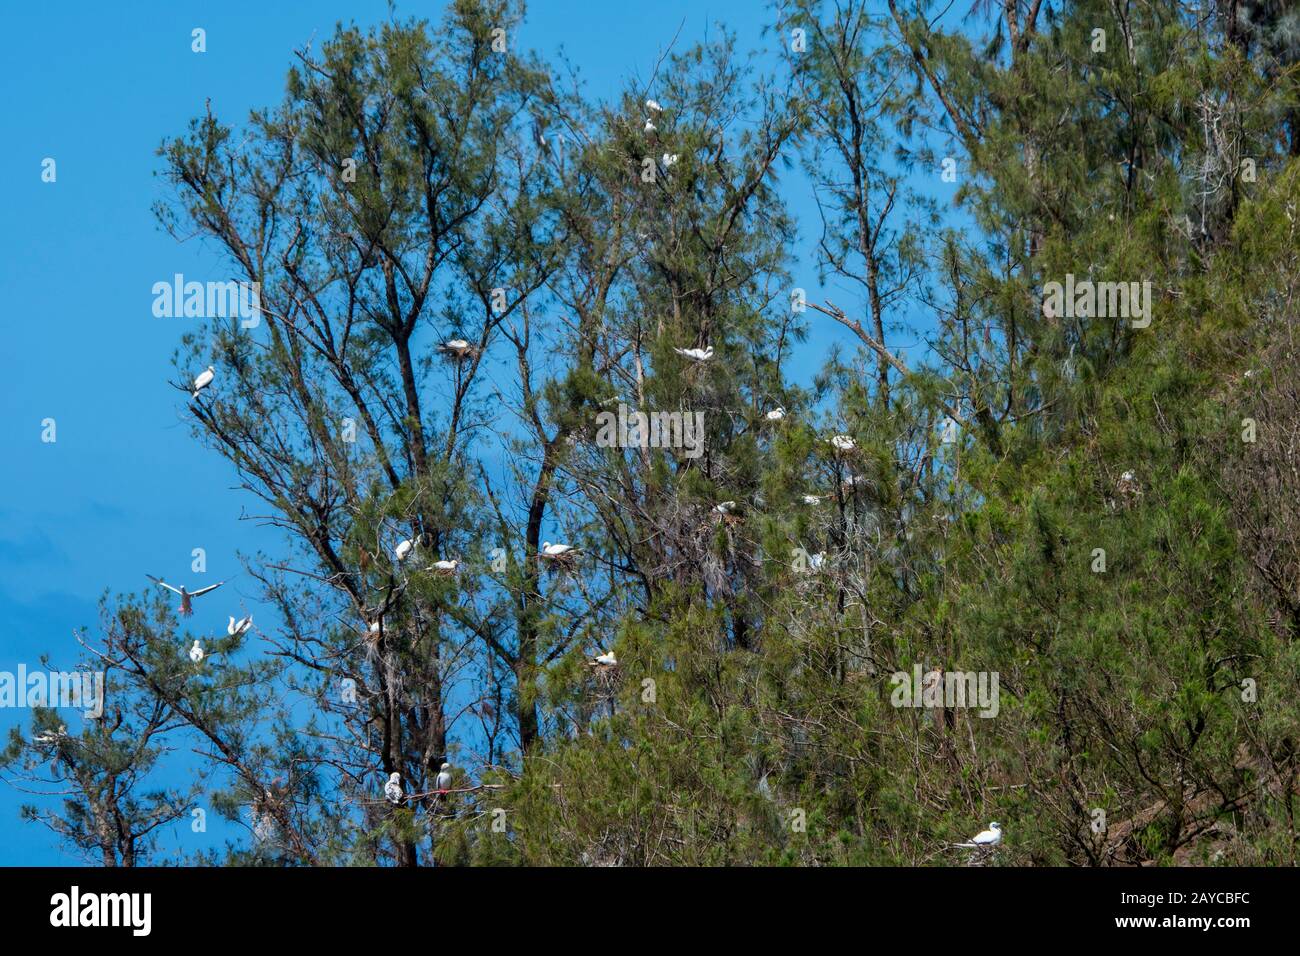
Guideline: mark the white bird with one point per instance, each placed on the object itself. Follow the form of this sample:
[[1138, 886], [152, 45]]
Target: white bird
[[696, 355], [196, 652], [843, 443], [51, 736], [726, 508], [649, 126], [557, 550], [456, 348], [812, 499], [403, 549], [236, 628], [776, 414], [446, 567], [374, 627], [990, 837], [604, 660], [442, 783], [653, 106], [187, 606], [670, 159], [393, 789], [204, 380]]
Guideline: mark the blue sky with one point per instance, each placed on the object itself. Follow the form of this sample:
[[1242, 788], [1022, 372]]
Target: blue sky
[[125, 490]]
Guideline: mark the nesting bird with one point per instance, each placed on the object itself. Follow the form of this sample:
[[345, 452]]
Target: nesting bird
[[196, 652], [653, 106], [843, 443], [558, 552], [696, 355], [456, 349], [775, 415], [603, 660], [446, 567]]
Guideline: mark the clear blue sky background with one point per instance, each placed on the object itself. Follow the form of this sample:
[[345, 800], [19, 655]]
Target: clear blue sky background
[[125, 490]]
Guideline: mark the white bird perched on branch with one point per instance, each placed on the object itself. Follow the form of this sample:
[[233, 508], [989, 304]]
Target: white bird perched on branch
[[236, 628], [393, 789], [187, 607], [442, 783], [196, 652], [603, 660], [204, 380], [776, 414], [404, 549], [670, 159], [447, 567], [649, 126], [696, 355], [812, 499], [653, 106]]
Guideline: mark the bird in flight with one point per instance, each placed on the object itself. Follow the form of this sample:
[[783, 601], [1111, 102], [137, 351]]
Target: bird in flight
[[187, 596], [204, 380], [236, 628]]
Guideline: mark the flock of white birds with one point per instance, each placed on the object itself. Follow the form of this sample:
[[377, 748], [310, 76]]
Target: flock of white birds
[[458, 350]]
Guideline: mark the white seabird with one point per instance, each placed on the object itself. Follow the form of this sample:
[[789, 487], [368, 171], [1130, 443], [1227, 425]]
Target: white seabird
[[236, 628], [187, 606], [204, 380], [393, 789], [696, 355]]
